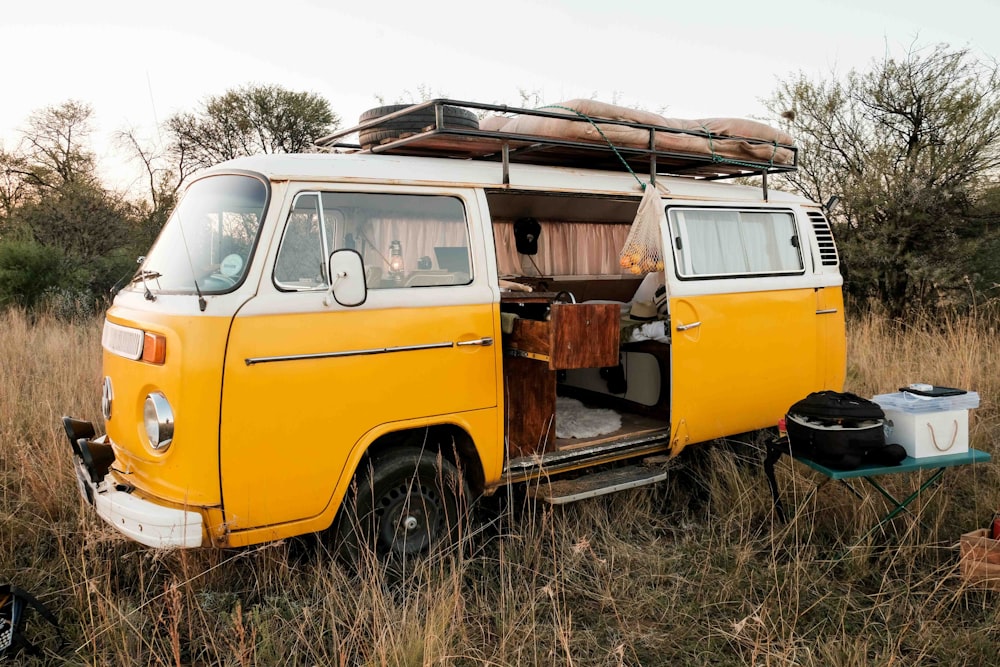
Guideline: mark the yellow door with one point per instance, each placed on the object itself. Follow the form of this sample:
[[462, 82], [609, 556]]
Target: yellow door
[[743, 319], [307, 380]]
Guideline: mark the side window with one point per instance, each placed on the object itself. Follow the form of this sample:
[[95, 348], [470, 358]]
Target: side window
[[725, 242], [300, 264], [405, 240]]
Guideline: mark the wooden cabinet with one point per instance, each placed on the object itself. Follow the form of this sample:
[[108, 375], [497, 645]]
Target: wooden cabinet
[[573, 335]]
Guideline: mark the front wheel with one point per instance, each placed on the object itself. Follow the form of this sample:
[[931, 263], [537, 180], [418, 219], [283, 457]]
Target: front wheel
[[409, 504]]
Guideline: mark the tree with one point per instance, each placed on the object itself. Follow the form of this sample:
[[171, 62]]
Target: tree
[[80, 219], [983, 265], [164, 183], [247, 121], [13, 188], [61, 231], [53, 147], [906, 145]]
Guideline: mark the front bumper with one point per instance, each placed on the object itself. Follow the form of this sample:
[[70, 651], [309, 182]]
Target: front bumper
[[142, 520]]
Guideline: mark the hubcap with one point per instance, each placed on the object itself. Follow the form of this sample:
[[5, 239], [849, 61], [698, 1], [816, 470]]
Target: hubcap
[[409, 518]]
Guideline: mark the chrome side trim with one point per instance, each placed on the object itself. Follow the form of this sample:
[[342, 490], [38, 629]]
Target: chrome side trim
[[827, 311], [347, 353]]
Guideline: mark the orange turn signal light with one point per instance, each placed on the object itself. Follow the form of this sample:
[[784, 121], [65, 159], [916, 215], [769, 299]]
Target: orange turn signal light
[[154, 348]]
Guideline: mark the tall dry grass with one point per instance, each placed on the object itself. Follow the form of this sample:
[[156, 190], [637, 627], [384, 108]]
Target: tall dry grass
[[695, 571]]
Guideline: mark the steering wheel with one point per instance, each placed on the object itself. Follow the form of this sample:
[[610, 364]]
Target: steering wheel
[[224, 279]]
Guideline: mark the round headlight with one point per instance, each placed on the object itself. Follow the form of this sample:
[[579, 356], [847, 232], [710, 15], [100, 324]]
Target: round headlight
[[159, 420]]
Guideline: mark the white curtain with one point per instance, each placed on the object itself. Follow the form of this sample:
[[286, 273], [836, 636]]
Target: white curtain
[[564, 248]]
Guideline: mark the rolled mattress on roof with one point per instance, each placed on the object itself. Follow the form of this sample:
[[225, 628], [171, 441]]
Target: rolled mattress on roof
[[727, 136]]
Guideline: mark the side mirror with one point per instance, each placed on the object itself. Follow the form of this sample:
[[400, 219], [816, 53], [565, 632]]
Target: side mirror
[[347, 278]]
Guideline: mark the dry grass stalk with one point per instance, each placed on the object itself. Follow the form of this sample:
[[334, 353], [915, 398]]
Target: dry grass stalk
[[693, 571]]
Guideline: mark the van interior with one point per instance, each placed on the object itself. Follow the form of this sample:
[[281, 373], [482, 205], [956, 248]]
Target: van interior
[[575, 335]]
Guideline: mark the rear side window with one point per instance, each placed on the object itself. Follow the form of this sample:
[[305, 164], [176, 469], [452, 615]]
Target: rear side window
[[404, 240], [713, 243]]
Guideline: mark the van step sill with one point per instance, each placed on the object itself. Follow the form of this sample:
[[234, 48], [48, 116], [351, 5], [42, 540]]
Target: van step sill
[[553, 461], [598, 484]]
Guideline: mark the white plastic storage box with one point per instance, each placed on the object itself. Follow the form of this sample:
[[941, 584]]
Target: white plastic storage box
[[928, 426]]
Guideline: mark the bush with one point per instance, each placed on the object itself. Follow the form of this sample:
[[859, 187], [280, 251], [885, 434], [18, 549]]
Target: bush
[[27, 270]]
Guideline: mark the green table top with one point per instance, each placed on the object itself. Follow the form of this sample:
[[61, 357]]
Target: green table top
[[909, 464]]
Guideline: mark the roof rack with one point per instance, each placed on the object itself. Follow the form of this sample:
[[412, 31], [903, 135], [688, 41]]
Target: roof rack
[[436, 139]]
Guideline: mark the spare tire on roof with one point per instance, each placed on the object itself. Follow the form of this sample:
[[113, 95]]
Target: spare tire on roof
[[411, 123]]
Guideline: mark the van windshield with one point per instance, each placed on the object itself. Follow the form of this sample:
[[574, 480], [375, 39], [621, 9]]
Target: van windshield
[[209, 238]]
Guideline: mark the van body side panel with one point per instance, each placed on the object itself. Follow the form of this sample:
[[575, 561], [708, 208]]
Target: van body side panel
[[191, 380], [831, 334], [476, 421], [289, 425], [749, 359]]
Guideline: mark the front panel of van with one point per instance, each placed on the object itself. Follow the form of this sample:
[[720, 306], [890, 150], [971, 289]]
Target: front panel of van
[[190, 379], [165, 343]]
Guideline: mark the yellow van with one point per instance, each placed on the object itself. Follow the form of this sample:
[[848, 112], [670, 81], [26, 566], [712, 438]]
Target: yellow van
[[381, 332]]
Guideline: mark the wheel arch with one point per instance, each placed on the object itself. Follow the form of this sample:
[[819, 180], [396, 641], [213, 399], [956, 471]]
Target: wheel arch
[[451, 440]]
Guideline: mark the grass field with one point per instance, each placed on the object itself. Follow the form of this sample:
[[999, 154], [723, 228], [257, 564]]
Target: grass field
[[695, 571]]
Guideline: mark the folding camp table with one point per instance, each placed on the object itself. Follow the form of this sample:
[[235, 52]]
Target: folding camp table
[[934, 465]]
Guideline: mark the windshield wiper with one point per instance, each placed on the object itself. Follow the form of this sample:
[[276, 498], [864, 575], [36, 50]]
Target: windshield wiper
[[142, 275]]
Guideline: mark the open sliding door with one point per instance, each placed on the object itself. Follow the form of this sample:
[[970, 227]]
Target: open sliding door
[[743, 319]]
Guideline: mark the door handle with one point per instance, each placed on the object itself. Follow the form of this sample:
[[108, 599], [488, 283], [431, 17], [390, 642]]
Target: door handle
[[685, 327], [826, 311], [485, 342]]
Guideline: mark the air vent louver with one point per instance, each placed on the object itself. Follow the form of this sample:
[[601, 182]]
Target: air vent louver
[[824, 239]]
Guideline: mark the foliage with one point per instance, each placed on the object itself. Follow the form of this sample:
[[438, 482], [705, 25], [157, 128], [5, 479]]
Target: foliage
[[59, 222], [248, 120], [984, 270], [906, 146], [27, 271], [66, 238], [79, 218]]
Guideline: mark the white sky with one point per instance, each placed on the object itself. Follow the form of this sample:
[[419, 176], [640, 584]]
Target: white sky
[[139, 62]]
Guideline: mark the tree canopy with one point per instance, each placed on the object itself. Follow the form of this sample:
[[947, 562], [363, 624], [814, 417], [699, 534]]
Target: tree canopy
[[911, 145], [906, 145], [249, 120], [64, 236]]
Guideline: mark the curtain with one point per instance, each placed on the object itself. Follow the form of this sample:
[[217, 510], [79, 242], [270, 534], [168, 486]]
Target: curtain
[[564, 248]]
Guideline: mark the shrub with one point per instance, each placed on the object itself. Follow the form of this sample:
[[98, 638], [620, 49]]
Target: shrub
[[27, 270]]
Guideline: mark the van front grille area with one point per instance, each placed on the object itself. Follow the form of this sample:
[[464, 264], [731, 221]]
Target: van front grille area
[[123, 341]]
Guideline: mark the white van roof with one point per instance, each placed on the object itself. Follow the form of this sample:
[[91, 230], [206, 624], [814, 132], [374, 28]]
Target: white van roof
[[379, 168]]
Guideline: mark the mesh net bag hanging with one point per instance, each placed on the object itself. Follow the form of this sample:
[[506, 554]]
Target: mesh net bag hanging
[[643, 251]]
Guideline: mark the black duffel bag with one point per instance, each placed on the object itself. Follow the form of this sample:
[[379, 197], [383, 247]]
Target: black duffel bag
[[840, 431]]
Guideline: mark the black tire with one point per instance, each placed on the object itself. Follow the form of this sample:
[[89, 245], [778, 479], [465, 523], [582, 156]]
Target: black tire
[[411, 123], [369, 138], [408, 505]]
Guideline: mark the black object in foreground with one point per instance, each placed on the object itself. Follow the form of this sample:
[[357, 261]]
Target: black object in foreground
[[14, 607]]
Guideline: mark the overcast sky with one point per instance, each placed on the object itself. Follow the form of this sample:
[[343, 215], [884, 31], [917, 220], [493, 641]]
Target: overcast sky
[[139, 62]]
